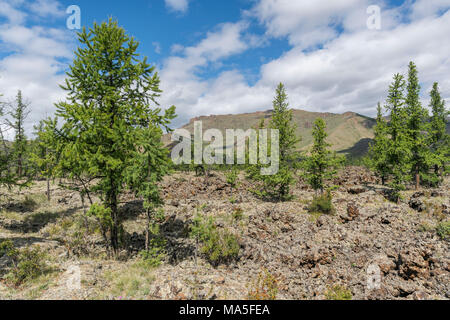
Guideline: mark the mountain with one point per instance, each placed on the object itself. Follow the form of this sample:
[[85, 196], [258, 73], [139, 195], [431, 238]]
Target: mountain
[[348, 133]]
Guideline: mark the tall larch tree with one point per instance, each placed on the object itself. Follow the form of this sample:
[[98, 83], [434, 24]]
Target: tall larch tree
[[378, 149], [110, 121], [321, 164], [417, 124], [277, 186], [399, 152], [439, 138]]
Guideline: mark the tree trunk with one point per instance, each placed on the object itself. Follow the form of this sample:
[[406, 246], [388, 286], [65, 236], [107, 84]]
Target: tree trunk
[[48, 190], [383, 181], [417, 178], [147, 231]]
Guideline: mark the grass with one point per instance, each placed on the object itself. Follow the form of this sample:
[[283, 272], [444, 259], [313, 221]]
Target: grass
[[338, 292], [133, 282]]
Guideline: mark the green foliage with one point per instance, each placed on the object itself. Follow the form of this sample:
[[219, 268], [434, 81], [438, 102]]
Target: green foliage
[[111, 123], [377, 159], [264, 288], [443, 230], [277, 186], [439, 140], [322, 204], [322, 164], [219, 246], [338, 292], [155, 254], [417, 127], [27, 263], [399, 151], [19, 113], [232, 177]]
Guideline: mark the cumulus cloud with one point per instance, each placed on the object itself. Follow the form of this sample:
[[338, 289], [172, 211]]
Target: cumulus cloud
[[178, 5], [335, 64], [34, 58]]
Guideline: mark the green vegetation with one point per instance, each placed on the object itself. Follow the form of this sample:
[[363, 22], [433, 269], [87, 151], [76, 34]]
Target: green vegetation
[[443, 230], [110, 134], [218, 245], [322, 204], [27, 263], [321, 165], [265, 287], [338, 292], [277, 186]]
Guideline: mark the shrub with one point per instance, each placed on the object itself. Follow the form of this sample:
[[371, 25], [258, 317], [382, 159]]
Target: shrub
[[264, 288], [27, 263], [443, 230], [155, 254], [219, 246], [322, 204], [338, 292]]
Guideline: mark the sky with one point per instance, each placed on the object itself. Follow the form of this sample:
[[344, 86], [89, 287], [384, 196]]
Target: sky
[[226, 57]]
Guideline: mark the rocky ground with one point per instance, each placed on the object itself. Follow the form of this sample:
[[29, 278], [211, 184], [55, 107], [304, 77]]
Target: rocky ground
[[308, 255]]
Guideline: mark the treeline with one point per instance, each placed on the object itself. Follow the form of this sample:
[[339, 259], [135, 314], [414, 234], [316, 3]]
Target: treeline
[[411, 146]]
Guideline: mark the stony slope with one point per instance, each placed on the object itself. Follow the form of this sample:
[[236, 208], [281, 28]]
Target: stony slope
[[307, 254]]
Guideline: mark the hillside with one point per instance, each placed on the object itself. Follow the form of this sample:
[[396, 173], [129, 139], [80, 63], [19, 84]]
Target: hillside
[[348, 132]]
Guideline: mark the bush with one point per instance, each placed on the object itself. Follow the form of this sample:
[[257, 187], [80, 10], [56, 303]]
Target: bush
[[219, 246], [338, 292], [155, 254], [322, 204], [264, 288], [27, 263], [443, 230]]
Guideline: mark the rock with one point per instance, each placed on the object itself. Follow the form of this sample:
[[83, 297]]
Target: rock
[[356, 190], [412, 264], [417, 204], [420, 295]]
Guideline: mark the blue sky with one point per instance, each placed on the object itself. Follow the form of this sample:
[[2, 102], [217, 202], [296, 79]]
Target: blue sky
[[222, 57]]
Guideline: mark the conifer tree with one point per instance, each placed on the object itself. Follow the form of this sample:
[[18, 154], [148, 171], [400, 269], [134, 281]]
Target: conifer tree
[[109, 120], [439, 138], [398, 153], [19, 113], [322, 164], [378, 149], [43, 156], [277, 186], [417, 124]]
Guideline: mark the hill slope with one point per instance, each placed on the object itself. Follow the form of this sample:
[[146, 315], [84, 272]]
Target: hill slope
[[345, 130]]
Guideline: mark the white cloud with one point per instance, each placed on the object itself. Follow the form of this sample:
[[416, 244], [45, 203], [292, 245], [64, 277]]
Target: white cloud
[[35, 61], [178, 5], [350, 72]]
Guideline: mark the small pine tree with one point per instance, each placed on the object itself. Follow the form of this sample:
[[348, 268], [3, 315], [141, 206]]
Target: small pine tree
[[417, 127], [439, 140], [398, 153], [277, 186], [322, 164], [43, 156], [378, 149], [19, 113]]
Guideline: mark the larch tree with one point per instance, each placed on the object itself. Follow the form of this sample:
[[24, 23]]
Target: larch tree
[[378, 149], [19, 112], [277, 186], [399, 152], [321, 164], [111, 123], [417, 124], [439, 138]]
